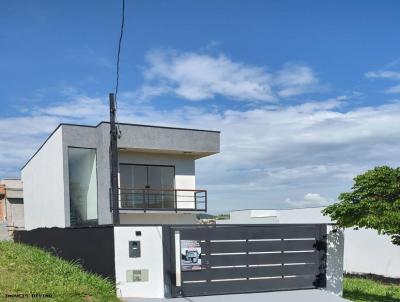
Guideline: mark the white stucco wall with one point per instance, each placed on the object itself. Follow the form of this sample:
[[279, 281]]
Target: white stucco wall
[[13, 206], [366, 251], [250, 216], [334, 260], [151, 259], [44, 186], [305, 215]]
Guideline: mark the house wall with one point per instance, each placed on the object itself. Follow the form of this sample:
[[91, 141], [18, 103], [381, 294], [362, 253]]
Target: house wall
[[12, 205], [2, 203], [250, 217], [305, 215], [151, 259], [48, 169], [2, 211], [89, 137], [43, 183], [158, 218], [367, 252], [15, 213], [199, 142]]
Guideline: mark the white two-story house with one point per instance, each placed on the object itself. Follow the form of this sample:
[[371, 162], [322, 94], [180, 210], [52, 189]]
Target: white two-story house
[[67, 181]]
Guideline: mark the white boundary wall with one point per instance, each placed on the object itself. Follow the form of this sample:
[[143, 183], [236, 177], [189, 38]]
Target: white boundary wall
[[367, 252], [151, 259]]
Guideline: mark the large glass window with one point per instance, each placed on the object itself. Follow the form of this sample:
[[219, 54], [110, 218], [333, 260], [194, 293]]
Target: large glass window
[[82, 186], [146, 186]]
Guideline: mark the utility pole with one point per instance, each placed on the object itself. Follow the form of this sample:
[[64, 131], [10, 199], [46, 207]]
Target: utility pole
[[114, 161]]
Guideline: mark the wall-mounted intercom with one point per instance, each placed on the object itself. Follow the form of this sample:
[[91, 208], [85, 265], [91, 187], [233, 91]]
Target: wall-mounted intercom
[[134, 249]]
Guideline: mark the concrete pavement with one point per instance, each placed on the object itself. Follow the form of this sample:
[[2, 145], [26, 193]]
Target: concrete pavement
[[309, 295]]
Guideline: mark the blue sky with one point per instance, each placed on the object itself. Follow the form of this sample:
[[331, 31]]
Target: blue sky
[[305, 92]]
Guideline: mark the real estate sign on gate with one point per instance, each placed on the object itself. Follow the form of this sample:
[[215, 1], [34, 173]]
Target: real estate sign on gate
[[190, 255]]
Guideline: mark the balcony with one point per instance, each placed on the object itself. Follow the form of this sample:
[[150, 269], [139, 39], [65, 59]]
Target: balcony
[[176, 200]]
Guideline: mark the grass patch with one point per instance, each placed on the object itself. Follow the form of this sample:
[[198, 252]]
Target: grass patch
[[26, 270], [367, 290]]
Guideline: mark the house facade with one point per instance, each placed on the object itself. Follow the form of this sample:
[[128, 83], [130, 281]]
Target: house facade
[[67, 181], [159, 250]]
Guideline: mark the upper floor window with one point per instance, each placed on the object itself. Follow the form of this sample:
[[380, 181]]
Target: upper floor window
[[147, 186]]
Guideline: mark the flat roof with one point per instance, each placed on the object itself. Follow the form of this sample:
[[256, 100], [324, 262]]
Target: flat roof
[[105, 122], [154, 126]]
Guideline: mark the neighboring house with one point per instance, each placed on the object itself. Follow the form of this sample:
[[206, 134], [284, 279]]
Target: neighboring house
[[11, 203], [382, 258], [67, 181]]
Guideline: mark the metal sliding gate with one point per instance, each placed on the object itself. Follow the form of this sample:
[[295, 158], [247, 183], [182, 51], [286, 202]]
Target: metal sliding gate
[[224, 259]]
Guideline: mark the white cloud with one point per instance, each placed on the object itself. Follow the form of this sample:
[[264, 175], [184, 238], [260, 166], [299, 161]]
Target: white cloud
[[79, 107], [393, 89], [385, 74], [267, 153], [196, 76], [309, 200], [296, 79]]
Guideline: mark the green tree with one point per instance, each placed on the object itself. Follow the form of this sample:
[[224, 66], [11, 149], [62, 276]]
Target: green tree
[[374, 203]]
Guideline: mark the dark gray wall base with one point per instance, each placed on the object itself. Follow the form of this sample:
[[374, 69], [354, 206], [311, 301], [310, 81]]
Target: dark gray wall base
[[91, 247]]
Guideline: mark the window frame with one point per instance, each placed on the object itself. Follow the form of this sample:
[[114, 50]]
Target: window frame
[[146, 165]]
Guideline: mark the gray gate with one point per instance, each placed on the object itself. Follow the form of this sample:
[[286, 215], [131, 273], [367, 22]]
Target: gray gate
[[225, 259]]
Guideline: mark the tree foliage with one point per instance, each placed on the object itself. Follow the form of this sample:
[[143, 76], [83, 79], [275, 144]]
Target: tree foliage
[[374, 203]]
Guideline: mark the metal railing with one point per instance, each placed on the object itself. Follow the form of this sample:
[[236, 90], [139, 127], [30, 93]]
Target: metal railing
[[162, 200]]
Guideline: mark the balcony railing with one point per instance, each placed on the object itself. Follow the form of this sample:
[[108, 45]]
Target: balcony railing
[[162, 200]]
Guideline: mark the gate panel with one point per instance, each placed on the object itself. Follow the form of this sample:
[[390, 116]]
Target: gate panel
[[246, 258]]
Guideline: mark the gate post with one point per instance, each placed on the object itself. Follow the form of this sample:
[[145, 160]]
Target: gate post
[[321, 246], [167, 260]]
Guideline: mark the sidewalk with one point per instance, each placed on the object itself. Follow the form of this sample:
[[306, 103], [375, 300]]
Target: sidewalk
[[308, 295]]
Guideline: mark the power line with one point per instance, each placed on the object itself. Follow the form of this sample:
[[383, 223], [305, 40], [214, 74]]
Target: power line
[[119, 49], [117, 71]]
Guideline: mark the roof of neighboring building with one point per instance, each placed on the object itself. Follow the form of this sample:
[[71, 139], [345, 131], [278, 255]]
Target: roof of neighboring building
[[298, 208]]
